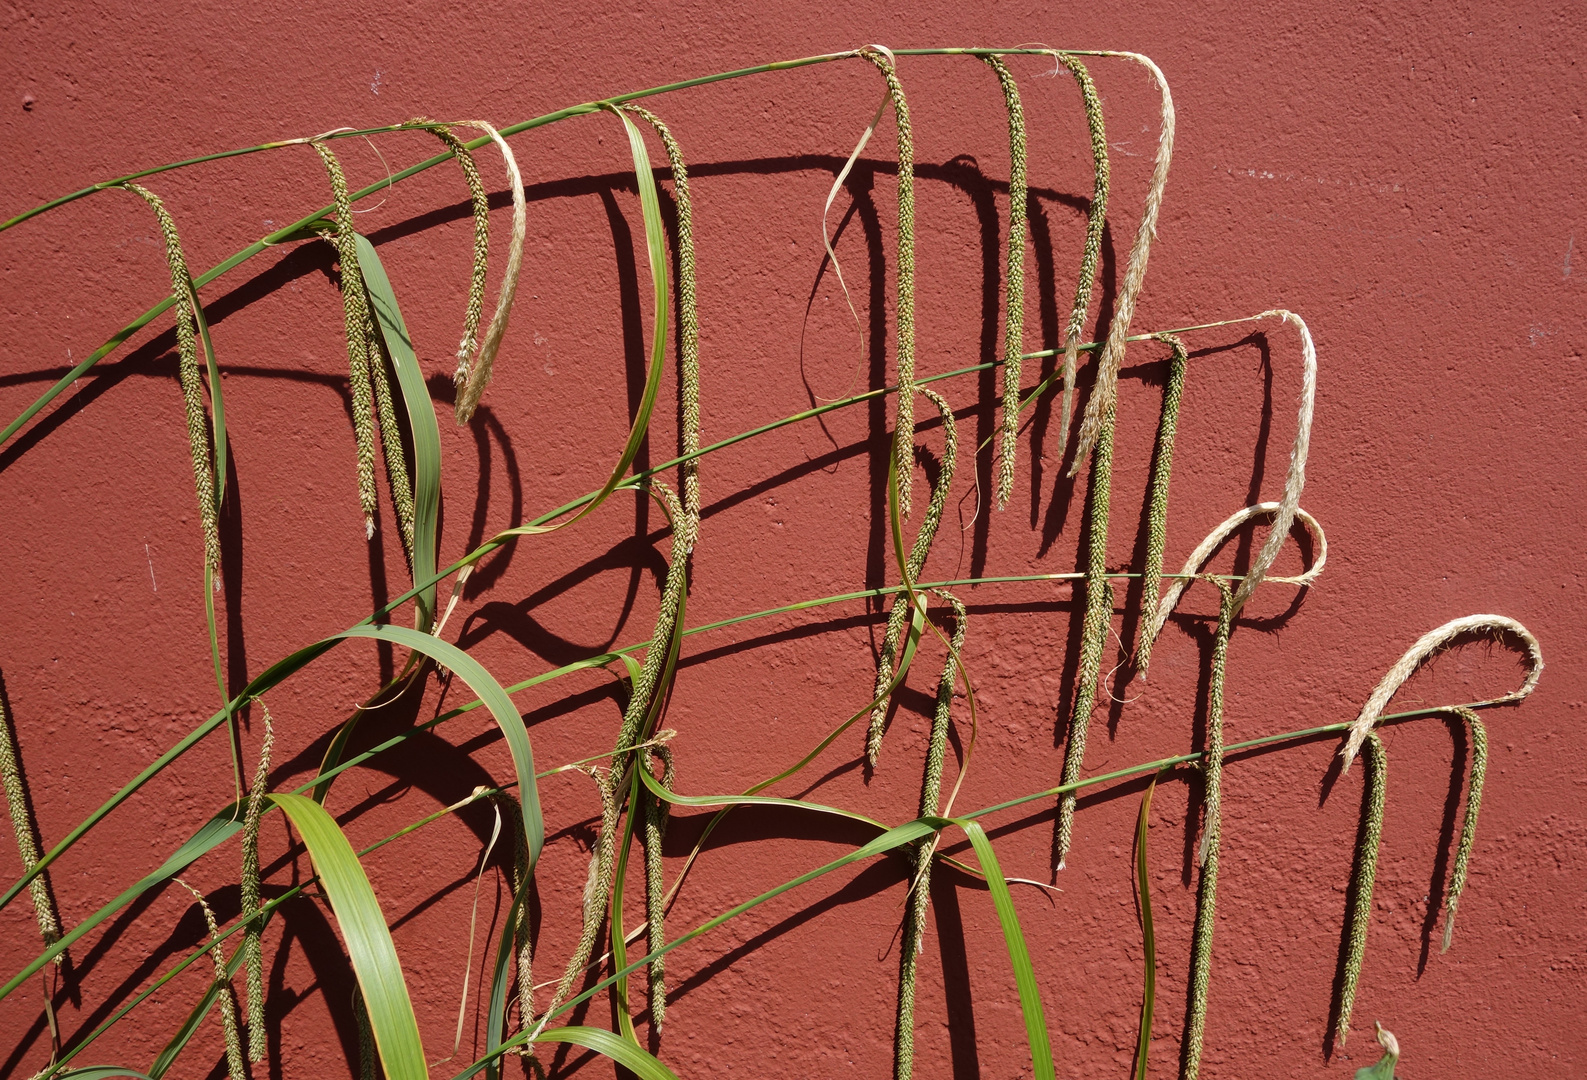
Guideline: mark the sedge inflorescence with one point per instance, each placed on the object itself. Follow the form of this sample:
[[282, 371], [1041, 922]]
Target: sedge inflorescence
[[636, 781]]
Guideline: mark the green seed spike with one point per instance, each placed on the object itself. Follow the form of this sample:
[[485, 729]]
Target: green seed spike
[[192, 390], [1468, 828], [688, 320], [1014, 317], [20, 802], [904, 428], [356, 311], [228, 1005], [391, 440], [1157, 515], [1096, 218], [655, 886], [512, 812], [368, 1053], [597, 887], [920, 890], [1211, 836], [1093, 630], [899, 615], [252, 943], [480, 203], [1365, 874]]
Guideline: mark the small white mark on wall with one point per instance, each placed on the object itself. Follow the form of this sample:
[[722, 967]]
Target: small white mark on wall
[[374, 85], [1380, 186], [150, 557]]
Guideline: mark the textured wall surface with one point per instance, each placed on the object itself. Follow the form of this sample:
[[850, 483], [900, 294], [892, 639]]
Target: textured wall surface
[[1407, 177]]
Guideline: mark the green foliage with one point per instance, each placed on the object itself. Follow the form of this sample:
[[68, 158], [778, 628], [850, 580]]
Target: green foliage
[[392, 403]]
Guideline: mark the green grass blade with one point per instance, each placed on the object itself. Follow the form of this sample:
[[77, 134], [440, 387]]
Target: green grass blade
[[1143, 900], [211, 835], [1014, 937], [496, 700], [364, 932], [656, 247], [101, 1072], [496, 1025], [422, 424], [229, 821], [749, 800], [620, 1050]]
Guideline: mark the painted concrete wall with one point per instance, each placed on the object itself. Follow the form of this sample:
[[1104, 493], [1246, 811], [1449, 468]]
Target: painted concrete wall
[[1406, 177]]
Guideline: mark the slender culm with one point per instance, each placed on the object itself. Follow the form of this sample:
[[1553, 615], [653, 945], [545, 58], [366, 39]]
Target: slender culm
[[479, 202], [1096, 219], [356, 311], [655, 886], [19, 801], [1468, 828], [1211, 836], [904, 428], [1093, 631], [1157, 514], [920, 890], [183, 299], [1014, 316], [252, 943], [899, 615], [1364, 874], [235, 1066]]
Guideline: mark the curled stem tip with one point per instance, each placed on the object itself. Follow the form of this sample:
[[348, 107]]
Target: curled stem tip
[[1106, 388], [1428, 644], [473, 383]]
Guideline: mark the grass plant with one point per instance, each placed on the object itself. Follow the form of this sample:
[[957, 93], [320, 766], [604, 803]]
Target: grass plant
[[391, 406]]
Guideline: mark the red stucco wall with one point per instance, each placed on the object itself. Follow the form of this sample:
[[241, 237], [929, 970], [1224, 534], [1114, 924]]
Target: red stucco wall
[[1406, 177]]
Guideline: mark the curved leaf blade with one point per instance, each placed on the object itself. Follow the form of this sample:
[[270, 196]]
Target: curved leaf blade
[[422, 425], [620, 1050], [1018, 954], [364, 932], [496, 700]]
